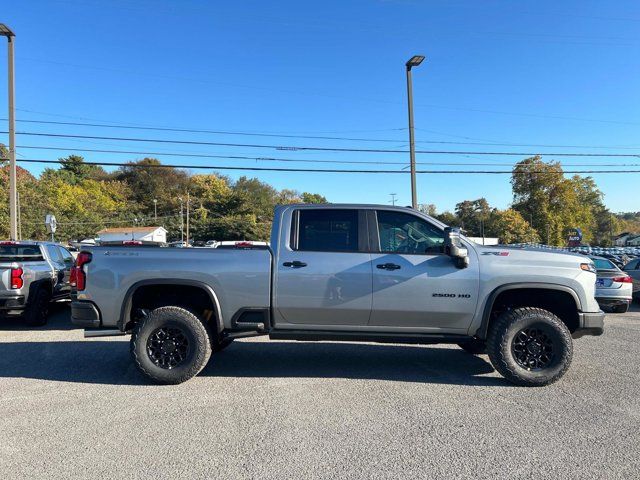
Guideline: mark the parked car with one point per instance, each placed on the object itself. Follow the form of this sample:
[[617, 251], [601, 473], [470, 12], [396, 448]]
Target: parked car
[[33, 274], [343, 273], [613, 286], [633, 270]]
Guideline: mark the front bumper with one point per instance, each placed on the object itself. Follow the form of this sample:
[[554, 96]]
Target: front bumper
[[85, 314], [590, 324]]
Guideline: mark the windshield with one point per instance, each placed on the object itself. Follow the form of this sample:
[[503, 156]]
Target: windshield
[[20, 253]]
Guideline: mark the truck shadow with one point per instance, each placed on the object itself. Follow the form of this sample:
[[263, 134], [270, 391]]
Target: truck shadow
[[109, 362], [400, 363], [58, 320]]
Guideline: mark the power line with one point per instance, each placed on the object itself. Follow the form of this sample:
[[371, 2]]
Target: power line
[[323, 149], [318, 170], [312, 137], [301, 160]]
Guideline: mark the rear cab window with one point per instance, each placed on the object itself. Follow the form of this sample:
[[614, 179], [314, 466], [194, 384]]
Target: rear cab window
[[20, 253], [326, 230]]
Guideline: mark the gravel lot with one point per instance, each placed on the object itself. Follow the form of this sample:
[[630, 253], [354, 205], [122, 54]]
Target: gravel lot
[[74, 408]]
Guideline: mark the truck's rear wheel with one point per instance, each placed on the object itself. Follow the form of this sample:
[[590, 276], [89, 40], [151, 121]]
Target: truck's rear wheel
[[530, 346], [170, 345], [37, 310]]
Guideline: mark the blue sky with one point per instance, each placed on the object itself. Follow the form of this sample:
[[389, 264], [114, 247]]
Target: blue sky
[[536, 73]]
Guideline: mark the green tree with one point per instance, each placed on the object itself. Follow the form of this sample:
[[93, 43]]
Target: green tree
[[509, 226], [313, 198], [552, 203], [472, 214]]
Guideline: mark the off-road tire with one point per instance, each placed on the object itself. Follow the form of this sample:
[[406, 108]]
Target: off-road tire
[[622, 308], [37, 310], [219, 346], [474, 347], [198, 345], [500, 346]]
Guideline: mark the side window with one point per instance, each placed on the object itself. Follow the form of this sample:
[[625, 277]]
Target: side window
[[404, 233], [329, 230], [54, 253], [67, 258]]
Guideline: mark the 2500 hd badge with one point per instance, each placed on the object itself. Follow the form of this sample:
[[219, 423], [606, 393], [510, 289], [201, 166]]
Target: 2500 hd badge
[[452, 295]]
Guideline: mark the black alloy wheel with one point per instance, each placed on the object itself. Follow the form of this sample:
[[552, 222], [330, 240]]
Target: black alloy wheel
[[168, 347], [532, 348]]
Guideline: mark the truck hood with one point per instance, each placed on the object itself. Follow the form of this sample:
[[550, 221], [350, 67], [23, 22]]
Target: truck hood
[[534, 254]]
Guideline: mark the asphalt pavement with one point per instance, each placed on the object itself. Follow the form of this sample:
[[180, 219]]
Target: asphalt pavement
[[77, 408]]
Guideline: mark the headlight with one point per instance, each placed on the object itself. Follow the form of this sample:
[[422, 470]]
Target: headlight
[[588, 267]]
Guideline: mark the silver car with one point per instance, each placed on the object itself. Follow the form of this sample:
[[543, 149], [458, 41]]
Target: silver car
[[613, 286], [633, 270]]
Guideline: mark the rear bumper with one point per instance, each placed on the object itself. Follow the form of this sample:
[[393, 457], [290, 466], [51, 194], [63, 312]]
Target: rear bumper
[[613, 301], [85, 314], [12, 304], [590, 324]]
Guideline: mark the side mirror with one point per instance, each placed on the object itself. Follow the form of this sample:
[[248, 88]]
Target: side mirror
[[454, 248]]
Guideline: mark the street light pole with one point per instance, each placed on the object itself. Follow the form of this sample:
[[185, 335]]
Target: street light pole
[[413, 62], [155, 210], [13, 200]]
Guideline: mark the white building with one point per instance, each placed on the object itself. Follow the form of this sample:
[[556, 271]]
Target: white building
[[121, 234]]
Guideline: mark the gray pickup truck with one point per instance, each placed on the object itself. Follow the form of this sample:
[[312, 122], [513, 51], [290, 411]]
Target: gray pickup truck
[[33, 274], [342, 273]]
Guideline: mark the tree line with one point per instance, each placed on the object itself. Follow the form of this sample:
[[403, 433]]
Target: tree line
[[546, 207], [86, 198]]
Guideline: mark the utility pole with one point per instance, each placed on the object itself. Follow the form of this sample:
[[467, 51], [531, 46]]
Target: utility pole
[[155, 210], [413, 62], [13, 199], [393, 199], [19, 216], [181, 221], [187, 219]]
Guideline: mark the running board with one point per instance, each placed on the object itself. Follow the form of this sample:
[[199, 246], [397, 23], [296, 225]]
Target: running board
[[102, 332], [334, 336]]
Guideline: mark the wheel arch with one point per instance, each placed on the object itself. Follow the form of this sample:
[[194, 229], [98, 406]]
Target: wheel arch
[[518, 289], [127, 303]]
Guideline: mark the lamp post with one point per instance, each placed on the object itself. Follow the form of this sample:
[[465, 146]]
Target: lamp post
[[413, 62], [13, 200], [155, 210]]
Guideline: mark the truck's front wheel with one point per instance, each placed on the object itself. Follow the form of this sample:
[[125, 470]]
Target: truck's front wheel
[[170, 345], [530, 346]]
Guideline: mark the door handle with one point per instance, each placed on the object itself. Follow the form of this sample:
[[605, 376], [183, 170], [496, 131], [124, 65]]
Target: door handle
[[388, 266], [294, 264]]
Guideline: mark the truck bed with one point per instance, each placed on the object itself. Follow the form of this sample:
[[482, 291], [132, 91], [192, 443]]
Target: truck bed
[[239, 278]]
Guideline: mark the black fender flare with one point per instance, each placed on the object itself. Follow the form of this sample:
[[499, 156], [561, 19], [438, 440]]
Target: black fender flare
[[125, 310], [481, 332]]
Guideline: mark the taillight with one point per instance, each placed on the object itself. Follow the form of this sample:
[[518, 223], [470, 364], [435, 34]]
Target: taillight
[[16, 278], [78, 275], [625, 279]]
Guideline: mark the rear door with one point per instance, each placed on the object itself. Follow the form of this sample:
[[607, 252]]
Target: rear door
[[414, 283], [323, 271]]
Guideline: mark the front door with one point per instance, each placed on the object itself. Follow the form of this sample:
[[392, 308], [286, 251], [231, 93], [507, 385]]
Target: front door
[[414, 283], [323, 276]]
